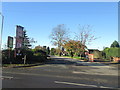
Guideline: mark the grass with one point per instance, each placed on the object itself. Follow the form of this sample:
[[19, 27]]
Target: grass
[[13, 65], [66, 56], [107, 60], [74, 57], [7, 65]]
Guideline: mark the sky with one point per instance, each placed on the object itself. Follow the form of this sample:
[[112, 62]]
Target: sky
[[39, 18], [59, 0]]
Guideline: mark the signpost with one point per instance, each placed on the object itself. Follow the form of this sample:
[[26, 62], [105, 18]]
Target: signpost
[[10, 42], [10, 45]]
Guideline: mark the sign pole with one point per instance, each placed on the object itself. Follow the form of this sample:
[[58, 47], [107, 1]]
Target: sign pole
[[24, 59], [10, 46], [9, 55]]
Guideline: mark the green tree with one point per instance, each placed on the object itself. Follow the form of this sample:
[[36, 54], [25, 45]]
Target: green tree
[[44, 49], [26, 40], [97, 54], [40, 55], [48, 50], [114, 52], [106, 52], [115, 44], [111, 52], [53, 51], [38, 47]]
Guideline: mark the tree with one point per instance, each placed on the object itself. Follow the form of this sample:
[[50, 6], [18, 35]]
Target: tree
[[38, 47], [48, 50], [106, 52], [85, 35], [115, 44], [52, 51], [40, 55], [74, 47], [32, 41], [27, 42], [97, 54], [59, 35], [44, 49], [70, 46], [115, 52], [111, 52]]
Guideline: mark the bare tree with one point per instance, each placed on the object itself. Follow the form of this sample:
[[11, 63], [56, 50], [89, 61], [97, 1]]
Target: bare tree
[[85, 34], [59, 35]]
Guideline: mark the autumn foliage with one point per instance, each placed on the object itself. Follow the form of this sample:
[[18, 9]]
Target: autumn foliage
[[75, 47]]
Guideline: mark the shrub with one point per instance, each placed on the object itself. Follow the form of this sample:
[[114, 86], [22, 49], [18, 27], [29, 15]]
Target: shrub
[[53, 51], [31, 56], [40, 56]]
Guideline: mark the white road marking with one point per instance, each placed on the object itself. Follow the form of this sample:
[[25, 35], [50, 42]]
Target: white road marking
[[8, 77], [94, 73], [78, 84], [75, 84]]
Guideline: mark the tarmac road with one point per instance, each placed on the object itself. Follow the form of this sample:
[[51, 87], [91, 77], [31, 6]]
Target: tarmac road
[[61, 73]]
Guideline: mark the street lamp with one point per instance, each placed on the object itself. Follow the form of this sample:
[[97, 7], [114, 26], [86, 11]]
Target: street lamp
[[1, 39], [1, 29]]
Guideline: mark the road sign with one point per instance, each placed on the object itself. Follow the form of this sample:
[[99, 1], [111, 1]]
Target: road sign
[[10, 42]]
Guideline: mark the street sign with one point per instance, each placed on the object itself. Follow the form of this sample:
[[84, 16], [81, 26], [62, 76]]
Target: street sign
[[10, 42]]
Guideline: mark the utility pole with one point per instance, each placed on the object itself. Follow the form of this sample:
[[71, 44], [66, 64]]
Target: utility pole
[[1, 28], [1, 38]]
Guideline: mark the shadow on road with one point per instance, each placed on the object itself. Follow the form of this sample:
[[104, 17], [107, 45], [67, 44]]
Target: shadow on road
[[69, 61], [65, 61]]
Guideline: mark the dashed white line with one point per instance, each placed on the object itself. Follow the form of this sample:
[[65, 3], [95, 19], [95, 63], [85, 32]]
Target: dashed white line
[[75, 84], [78, 84], [5, 77], [76, 72]]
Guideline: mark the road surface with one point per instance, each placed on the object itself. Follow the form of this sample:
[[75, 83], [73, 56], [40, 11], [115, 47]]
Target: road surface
[[61, 73]]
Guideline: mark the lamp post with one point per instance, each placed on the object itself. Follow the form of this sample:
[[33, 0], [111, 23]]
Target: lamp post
[[1, 28], [1, 39]]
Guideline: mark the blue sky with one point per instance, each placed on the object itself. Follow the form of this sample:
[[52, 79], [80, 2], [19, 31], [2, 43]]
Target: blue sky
[[40, 18]]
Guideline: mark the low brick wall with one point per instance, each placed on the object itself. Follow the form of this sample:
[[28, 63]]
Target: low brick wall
[[116, 59], [90, 56]]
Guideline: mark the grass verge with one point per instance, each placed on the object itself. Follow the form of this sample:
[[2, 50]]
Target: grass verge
[[20, 65]]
